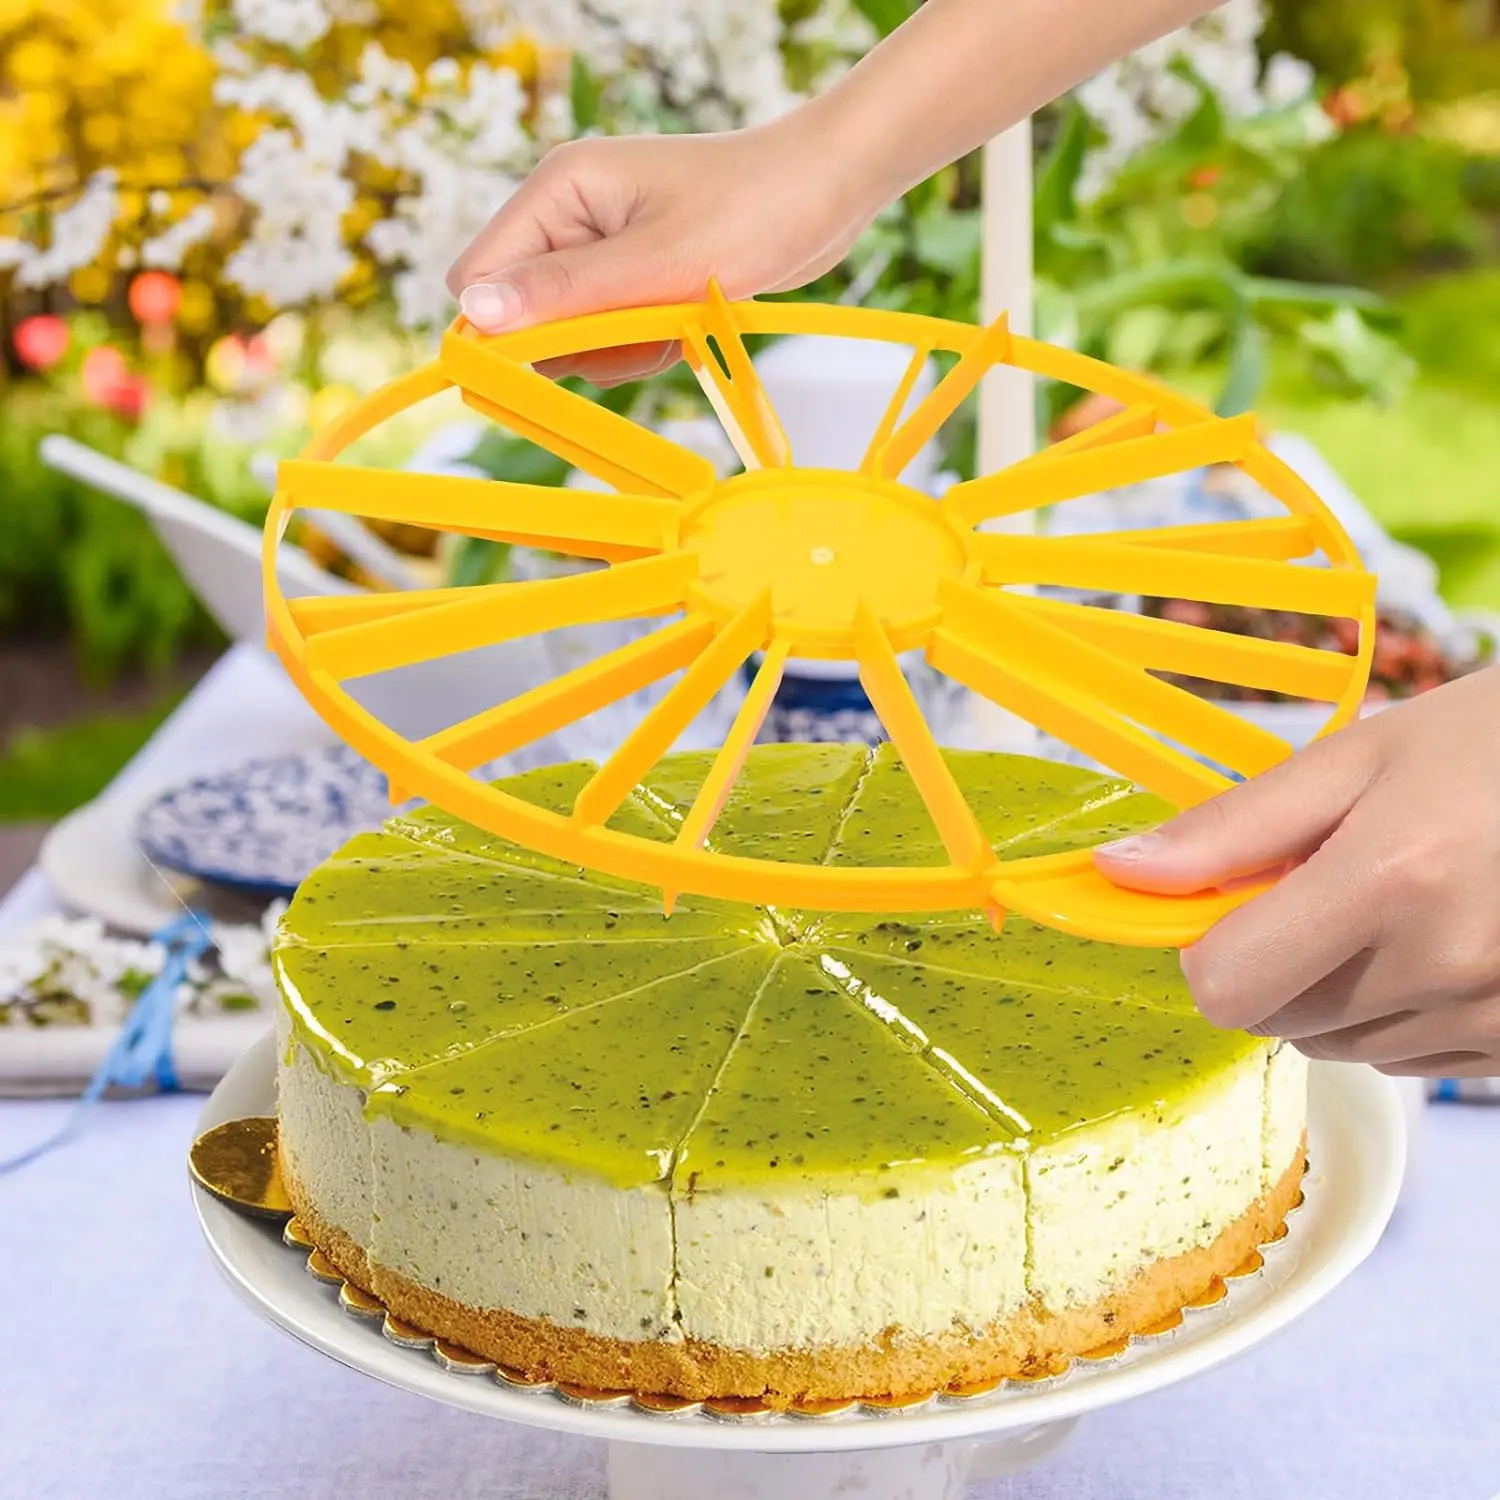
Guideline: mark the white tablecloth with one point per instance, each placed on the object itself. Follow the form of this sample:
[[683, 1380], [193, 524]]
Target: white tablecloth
[[128, 1370]]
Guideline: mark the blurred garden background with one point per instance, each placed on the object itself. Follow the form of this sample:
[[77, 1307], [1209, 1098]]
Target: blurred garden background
[[221, 222]]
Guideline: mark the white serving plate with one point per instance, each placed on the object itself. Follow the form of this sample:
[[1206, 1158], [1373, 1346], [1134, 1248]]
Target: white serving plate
[[1357, 1148]]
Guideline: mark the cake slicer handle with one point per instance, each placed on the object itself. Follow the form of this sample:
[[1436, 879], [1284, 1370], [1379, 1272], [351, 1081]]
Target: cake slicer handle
[[1072, 895]]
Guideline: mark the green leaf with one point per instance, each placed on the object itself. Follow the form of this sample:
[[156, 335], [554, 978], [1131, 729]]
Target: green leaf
[[1203, 130], [1353, 357], [1055, 200], [886, 15], [1216, 283], [502, 456], [1249, 364], [584, 95], [1053, 314], [947, 240], [477, 560], [1193, 334], [1138, 335], [1272, 291]]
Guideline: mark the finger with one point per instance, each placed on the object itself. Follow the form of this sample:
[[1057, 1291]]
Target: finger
[[1355, 992], [1389, 1039], [1445, 1065], [1266, 822], [611, 367], [537, 218], [1279, 945], [634, 268]]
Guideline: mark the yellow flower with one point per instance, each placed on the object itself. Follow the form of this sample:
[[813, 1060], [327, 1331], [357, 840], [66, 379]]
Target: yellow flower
[[90, 284], [196, 311]]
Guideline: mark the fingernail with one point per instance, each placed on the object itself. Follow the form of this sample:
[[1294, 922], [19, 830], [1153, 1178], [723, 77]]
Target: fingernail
[[1139, 846], [490, 305]]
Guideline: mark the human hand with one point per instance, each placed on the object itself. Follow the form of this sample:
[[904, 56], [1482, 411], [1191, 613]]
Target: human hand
[[1381, 943], [637, 221]]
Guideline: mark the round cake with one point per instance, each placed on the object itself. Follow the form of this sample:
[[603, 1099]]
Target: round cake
[[761, 1153]]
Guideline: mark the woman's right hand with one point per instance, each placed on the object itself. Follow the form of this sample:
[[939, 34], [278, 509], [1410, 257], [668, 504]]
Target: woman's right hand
[[636, 221]]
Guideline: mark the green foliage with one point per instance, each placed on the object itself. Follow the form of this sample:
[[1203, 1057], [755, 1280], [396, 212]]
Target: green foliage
[[1368, 205], [45, 774], [1150, 274], [1449, 327], [584, 95], [1438, 44], [886, 15], [74, 560]]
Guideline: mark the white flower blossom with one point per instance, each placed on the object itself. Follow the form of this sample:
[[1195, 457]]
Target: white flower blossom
[[1146, 95], [1289, 81], [295, 251], [71, 970], [78, 234], [297, 24], [167, 249], [456, 136]]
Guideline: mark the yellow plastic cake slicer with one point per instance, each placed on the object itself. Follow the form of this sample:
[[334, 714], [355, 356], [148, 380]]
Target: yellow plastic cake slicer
[[794, 562]]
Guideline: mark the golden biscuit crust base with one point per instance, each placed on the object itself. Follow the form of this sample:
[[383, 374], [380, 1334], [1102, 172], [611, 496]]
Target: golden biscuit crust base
[[1030, 1343]]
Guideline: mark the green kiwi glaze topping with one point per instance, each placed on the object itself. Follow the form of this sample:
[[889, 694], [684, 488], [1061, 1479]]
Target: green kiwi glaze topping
[[502, 999]]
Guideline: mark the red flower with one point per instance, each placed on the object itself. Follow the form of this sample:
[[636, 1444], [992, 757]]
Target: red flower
[[129, 398], [109, 382], [102, 372], [155, 297], [1205, 178], [41, 341]]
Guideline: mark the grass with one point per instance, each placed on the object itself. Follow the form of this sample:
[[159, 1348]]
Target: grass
[[45, 774]]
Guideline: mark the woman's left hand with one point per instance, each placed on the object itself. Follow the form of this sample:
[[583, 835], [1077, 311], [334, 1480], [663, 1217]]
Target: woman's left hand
[[1381, 943]]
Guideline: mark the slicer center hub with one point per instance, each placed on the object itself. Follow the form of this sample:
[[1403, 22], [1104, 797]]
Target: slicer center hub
[[824, 543]]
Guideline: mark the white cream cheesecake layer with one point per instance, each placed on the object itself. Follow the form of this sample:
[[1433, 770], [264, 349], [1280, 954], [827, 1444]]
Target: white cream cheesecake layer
[[799, 1268], [323, 1137], [805, 1269], [1114, 1197], [1286, 1111]]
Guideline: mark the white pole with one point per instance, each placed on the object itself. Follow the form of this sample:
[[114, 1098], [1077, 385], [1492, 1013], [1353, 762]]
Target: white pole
[[1007, 421], [1007, 398]]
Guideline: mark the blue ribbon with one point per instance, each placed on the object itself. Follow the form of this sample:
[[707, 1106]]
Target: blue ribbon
[[142, 1049]]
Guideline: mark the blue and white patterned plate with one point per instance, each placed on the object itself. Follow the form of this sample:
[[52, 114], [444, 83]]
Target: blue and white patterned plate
[[264, 826]]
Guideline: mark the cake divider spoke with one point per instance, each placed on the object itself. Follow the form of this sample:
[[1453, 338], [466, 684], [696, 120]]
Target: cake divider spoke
[[1138, 421], [896, 706], [664, 724], [730, 759], [553, 705], [1275, 538], [595, 439], [580, 523], [1029, 664], [1092, 470], [1133, 568], [1196, 651], [495, 613], [734, 388], [897, 404], [889, 459]]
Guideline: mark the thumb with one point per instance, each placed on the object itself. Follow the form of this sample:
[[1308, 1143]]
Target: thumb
[[1275, 819], [630, 269]]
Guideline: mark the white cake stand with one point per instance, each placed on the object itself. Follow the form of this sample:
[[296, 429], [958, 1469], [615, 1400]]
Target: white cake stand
[[1357, 1146]]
